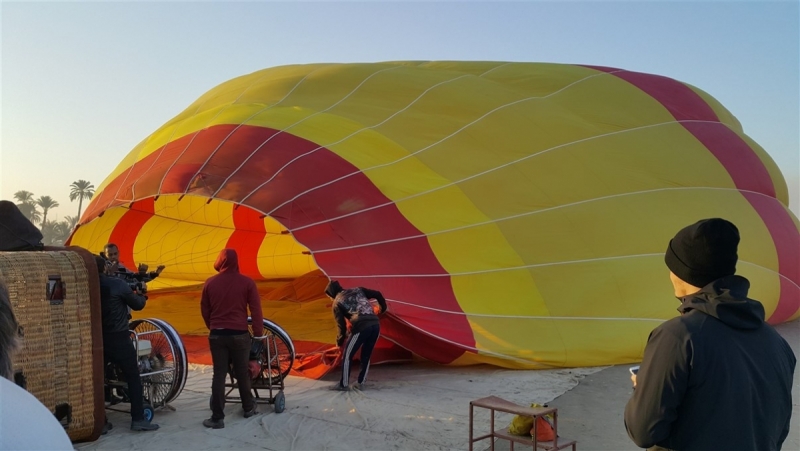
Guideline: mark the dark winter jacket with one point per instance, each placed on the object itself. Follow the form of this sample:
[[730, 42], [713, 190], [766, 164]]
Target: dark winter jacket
[[227, 296], [353, 304], [715, 378], [115, 298]]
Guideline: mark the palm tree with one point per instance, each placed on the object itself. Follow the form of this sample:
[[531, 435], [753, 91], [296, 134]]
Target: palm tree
[[48, 233], [62, 231], [54, 233], [29, 211], [46, 202], [24, 197], [71, 221], [81, 190]]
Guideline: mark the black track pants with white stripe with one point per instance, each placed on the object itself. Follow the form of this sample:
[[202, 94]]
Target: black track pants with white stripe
[[366, 341]]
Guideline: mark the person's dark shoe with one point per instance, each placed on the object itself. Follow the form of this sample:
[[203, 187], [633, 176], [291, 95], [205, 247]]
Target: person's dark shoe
[[338, 387], [113, 399], [250, 413], [214, 424], [143, 425]]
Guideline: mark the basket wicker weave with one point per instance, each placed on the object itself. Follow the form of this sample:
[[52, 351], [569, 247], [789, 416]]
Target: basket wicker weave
[[61, 355]]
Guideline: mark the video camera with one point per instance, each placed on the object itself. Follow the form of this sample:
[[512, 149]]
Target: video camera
[[136, 280]]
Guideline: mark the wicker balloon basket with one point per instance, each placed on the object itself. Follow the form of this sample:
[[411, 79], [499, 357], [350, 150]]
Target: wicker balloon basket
[[56, 298]]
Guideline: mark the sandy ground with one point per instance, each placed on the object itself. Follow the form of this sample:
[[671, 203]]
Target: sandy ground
[[404, 407]]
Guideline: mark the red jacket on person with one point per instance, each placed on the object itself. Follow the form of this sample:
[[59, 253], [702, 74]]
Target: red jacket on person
[[227, 295]]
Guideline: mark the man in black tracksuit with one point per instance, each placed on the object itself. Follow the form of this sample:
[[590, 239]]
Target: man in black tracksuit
[[353, 304], [115, 298], [717, 377]]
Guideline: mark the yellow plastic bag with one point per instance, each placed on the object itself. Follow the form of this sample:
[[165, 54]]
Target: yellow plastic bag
[[521, 425]]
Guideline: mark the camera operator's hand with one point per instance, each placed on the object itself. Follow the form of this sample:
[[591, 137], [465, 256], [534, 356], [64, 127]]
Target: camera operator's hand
[[143, 267], [159, 269], [140, 288]]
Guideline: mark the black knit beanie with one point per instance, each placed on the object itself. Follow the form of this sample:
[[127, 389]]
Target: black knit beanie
[[704, 251], [333, 288]]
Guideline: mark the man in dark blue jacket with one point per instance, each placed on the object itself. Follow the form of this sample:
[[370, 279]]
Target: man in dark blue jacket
[[353, 305], [717, 377], [115, 298]]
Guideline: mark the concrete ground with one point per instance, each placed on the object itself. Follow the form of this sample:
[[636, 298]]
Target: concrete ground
[[592, 412], [406, 407]]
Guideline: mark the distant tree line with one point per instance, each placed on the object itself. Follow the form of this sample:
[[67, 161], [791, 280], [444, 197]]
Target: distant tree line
[[55, 232]]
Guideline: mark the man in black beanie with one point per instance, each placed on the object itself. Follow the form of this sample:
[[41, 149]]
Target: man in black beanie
[[353, 305], [717, 377]]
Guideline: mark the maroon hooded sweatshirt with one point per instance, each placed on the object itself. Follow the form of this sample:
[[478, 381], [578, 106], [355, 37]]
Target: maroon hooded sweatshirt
[[227, 295]]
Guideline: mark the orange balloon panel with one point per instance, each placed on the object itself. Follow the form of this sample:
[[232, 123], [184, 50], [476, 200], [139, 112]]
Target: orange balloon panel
[[512, 213]]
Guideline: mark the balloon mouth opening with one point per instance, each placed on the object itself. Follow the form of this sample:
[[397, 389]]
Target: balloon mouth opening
[[186, 233]]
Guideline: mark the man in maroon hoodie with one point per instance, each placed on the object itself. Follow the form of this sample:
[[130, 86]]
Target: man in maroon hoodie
[[224, 302]]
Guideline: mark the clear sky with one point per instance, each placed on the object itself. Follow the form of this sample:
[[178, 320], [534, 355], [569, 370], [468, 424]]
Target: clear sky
[[83, 83]]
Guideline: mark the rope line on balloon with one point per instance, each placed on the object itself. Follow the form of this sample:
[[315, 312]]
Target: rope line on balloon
[[168, 141], [342, 140], [212, 250], [446, 138], [116, 196], [175, 223], [516, 216], [266, 108], [476, 350], [538, 265], [130, 170], [295, 124], [195, 254], [203, 229], [495, 68], [262, 110], [238, 126], [511, 217], [197, 133], [294, 88], [527, 317], [387, 119], [451, 183], [277, 172]]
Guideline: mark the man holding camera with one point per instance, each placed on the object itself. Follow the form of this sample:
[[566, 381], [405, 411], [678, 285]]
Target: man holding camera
[[115, 299], [111, 253], [717, 377]]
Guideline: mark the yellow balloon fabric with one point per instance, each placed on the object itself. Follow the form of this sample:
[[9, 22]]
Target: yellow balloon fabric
[[512, 213]]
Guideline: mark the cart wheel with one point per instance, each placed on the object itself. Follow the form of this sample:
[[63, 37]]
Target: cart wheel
[[280, 402], [149, 412]]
